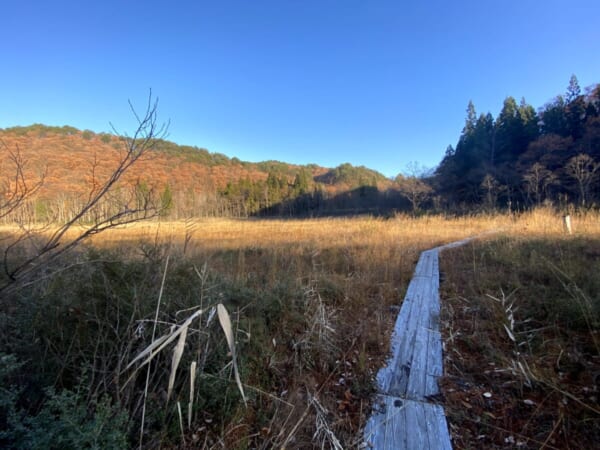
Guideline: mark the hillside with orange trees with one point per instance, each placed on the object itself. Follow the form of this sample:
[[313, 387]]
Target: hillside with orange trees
[[69, 163]]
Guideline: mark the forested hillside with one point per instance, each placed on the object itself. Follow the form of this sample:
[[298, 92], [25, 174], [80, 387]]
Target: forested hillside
[[523, 158], [65, 165]]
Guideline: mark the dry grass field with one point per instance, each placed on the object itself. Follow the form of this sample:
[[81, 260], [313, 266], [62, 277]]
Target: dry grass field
[[521, 315], [312, 304]]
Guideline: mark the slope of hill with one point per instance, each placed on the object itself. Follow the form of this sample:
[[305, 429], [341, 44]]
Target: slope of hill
[[198, 182]]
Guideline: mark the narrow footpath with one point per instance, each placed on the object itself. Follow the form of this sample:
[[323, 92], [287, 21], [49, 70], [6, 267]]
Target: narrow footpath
[[405, 414]]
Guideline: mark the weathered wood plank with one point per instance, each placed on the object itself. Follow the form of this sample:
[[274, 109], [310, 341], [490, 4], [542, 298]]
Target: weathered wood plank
[[402, 364], [434, 353], [437, 431], [416, 380], [416, 425], [459, 243], [425, 265], [399, 424], [395, 433], [408, 314], [419, 313], [403, 416], [434, 364], [437, 427], [387, 425], [433, 317], [421, 268]]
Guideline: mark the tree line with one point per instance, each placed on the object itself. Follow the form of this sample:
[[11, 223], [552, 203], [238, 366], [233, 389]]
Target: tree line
[[525, 157]]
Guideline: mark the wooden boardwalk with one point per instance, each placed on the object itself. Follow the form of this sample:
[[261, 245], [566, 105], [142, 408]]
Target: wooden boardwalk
[[405, 415]]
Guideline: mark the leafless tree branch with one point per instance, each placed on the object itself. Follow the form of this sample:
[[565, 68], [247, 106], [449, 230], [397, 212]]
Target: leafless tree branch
[[140, 205]]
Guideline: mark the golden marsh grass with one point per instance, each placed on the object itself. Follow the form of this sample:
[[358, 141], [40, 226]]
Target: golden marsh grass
[[277, 278], [420, 232]]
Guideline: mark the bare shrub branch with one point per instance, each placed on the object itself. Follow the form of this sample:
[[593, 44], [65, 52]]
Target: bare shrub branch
[[33, 248]]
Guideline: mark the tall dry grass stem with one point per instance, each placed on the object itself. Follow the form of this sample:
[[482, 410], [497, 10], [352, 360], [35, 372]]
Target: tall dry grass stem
[[162, 286], [192, 384]]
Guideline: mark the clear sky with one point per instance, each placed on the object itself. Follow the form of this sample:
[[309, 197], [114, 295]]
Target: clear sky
[[374, 83]]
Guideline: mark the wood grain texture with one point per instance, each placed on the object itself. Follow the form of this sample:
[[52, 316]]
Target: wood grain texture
[[398, 424]]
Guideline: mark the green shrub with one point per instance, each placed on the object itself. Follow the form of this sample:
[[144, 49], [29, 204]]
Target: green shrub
[[65, 420]]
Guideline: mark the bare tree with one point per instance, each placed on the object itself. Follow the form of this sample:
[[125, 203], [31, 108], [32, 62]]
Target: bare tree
[[491, 187], [537, 179], [33, 247], [414, 189], [583, 168], [412, 185]]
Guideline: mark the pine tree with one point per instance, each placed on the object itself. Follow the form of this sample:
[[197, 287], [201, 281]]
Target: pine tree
[[575, 109], [573, 90]]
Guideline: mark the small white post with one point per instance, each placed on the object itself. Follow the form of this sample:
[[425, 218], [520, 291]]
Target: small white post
[[567, 223]]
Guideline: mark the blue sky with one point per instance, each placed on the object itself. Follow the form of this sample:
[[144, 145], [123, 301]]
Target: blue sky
[[374, 83]]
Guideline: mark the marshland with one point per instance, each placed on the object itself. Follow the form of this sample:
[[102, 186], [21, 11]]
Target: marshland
[[311, 305]]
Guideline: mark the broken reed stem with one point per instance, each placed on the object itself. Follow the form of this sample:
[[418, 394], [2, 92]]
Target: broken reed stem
[[191, 402], [162, 286]]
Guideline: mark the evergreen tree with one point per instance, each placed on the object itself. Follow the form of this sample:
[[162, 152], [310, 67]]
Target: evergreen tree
[[554, 118], [461, 172], [529, 120], [301, 183], [471, 120], [526, 156], [508, 128], [575, 109], [166, 201], [573, 90]]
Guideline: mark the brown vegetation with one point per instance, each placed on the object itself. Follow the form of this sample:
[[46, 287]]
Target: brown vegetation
[[522, 317]]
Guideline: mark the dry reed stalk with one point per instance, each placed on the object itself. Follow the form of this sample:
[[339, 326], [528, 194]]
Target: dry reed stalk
[[225, 322], [581, 299], [159, 344], [192, 384], [177, 352]]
